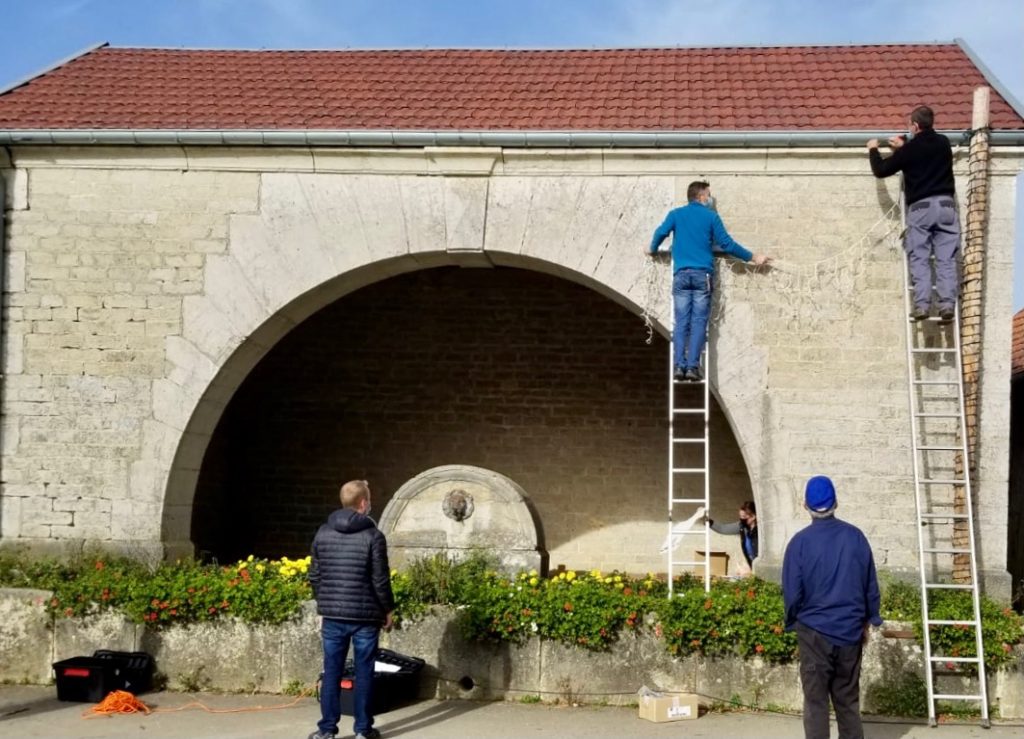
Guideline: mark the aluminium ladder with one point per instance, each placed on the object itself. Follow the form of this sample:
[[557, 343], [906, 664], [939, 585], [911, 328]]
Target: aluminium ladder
[[938, 435], [688, 486]]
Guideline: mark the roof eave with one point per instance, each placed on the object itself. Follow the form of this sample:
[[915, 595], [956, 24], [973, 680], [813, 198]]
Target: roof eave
[[495, 138]]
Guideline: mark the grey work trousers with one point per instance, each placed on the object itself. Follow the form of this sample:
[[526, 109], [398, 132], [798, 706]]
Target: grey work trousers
[[933, 226], [829, 672]]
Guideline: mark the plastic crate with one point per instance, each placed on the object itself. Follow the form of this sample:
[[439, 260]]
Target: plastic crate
[[390, 689], [90, 679]]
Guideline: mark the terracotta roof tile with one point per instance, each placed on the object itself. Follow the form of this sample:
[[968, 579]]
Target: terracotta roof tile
[[809, 88], [1017, 355]]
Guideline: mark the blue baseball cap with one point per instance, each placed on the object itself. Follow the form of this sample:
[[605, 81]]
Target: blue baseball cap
[[820, 494]]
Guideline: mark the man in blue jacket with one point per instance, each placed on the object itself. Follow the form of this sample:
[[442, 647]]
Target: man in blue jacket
[[351, 582], [831, 596], [696, 229]]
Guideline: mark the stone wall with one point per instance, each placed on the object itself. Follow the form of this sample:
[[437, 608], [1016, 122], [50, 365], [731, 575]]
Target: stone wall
[[143, 285], [229, 655]]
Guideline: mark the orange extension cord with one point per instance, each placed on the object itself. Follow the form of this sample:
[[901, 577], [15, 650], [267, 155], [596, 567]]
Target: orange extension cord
[[121, 701]]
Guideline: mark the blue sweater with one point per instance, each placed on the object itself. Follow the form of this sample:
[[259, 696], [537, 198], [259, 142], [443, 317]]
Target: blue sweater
[[696, 230], [829, 582]]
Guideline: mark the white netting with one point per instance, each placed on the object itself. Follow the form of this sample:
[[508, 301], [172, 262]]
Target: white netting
[[806, 289]]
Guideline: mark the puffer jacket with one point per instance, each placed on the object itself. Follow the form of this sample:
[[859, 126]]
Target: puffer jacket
[[349, 569]]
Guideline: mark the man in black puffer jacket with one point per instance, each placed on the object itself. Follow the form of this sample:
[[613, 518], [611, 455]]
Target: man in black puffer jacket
[[351, 582]]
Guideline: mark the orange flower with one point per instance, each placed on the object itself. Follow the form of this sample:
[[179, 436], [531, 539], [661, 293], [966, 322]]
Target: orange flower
[[759, 649], [707, 604], [567, 606], [99, 564]]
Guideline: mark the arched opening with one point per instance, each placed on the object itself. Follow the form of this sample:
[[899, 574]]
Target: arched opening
[[531, 375]]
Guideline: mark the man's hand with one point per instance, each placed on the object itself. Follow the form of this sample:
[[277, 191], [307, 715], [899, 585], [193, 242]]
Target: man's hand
[[872, 144], [761, 260], [388, 621], [897, 141], [867, 632]]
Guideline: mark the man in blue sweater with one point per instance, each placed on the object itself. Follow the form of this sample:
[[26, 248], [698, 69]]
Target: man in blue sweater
[[831, 597], [696, 229]]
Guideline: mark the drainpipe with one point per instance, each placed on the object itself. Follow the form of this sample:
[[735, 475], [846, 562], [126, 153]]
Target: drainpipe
[[3, 262]]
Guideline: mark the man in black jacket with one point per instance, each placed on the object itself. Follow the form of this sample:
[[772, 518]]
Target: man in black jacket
[[351, 582], [933, 225]]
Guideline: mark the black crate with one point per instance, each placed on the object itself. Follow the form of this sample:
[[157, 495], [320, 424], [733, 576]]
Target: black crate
[[390, 689], [90, 679]]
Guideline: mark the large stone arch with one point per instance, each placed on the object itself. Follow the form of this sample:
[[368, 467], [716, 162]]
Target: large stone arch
[[317, 237]]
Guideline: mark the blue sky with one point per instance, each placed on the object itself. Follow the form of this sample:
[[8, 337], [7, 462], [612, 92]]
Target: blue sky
[[36, 33]]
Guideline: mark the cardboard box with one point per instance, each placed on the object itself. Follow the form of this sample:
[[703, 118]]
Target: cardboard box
[[680, 707], [719, 563]]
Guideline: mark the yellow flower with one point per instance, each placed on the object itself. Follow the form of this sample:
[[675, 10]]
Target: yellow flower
[[260, 568], [533, 581], [607, 580], [533, 573], [249, 558], [283, 570], [242, 566], [618, 578], [561, 576], [570, 575], [596, 574], [394, 572]]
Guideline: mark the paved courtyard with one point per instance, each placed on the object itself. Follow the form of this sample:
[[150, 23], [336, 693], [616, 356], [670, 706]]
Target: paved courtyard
[[32, 711]]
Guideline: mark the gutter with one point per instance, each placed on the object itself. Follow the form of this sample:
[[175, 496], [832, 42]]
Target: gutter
[[504, 139]]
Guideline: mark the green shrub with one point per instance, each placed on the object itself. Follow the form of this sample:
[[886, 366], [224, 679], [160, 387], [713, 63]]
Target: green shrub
[[901, 695]]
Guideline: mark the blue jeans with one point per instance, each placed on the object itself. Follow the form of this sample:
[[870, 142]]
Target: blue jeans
[[336, 637], [691, 296]]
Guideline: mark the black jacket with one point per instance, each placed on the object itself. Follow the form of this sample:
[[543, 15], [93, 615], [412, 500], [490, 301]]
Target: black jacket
[[926, 162], [349, 570]]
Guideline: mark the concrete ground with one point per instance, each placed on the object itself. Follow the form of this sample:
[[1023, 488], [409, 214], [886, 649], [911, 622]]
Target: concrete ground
[[31, 711]]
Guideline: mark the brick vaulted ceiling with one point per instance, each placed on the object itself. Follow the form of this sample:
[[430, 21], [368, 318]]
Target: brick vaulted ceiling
[[808, 88]]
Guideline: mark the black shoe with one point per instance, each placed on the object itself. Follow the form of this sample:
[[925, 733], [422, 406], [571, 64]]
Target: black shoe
[[693, 374], [370, 734], [680, 374], [918, 314], [946, 315]]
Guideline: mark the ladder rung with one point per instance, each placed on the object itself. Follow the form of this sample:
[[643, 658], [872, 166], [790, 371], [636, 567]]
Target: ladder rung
[[940, 449], [689, 500], [688, 410], [940, 550], [688, 470], [689, 564], [687, 382], [947, 586], [936, 382], [941, 481], [953, 697], [949, 516], [937, 415], [698, 440], [933, 350], [688, 533], [953, 659], [947, 622]]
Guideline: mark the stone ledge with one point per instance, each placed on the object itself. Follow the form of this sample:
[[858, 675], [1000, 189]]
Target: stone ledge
[[231, 655]]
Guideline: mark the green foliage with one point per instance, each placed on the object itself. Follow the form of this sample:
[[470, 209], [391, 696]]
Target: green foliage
[[1001, 629], [901, 601], [736, 618], [254, 590], [530, 699], [901, 695], [588, 610]]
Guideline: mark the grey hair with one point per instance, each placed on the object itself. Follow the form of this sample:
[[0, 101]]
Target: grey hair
[[823, 514]]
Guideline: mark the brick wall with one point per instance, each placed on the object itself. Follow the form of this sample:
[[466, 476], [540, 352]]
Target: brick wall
[[532, 376]]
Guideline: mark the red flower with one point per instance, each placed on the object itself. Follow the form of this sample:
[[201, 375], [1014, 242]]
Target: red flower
[[211, 609], [759, 649], [155, 603], [567, 606], [627, 591], [174, 611], [68, 611], [99, 565], [750, 594], [707, 604]]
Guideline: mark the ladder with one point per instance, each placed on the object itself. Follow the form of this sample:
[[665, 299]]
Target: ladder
[[938, 435], [689, 465]]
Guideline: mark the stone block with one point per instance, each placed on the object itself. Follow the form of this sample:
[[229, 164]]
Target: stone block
[[80, 637], [227, 654], [25, 633]]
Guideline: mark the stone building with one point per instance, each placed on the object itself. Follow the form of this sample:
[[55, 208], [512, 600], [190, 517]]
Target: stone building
[[233, 280], [1015, 531]]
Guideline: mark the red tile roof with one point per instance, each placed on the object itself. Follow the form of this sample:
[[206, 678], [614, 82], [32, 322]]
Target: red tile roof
[[769, 88], [1017, 355]]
